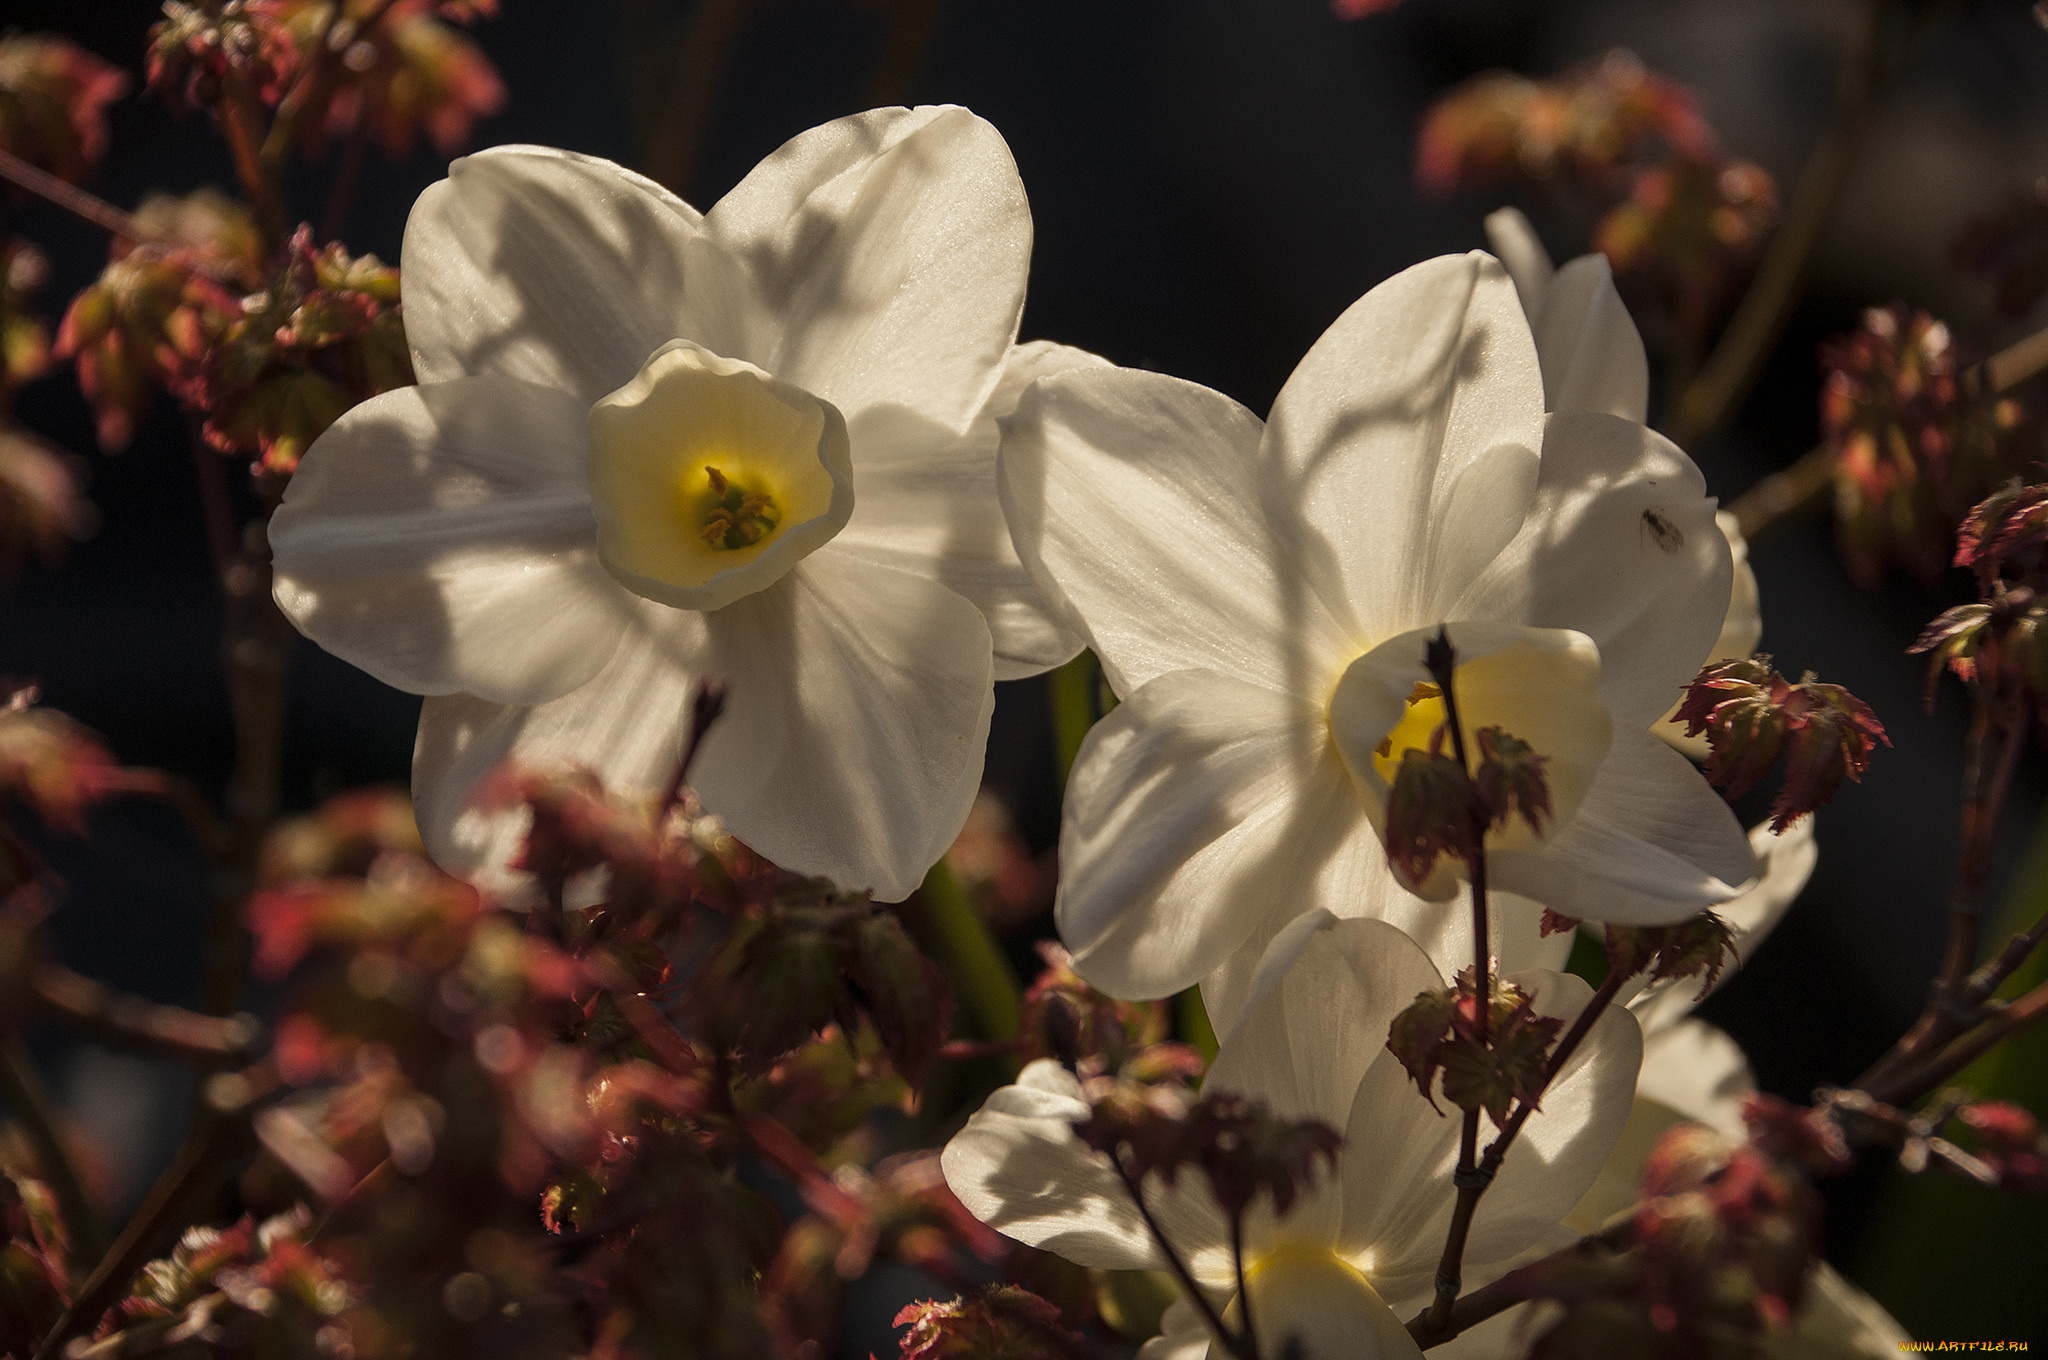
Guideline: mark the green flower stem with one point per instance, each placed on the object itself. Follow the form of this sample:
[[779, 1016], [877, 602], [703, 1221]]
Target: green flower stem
[[24, 1094], [1074, 708], [1192, 1018], [982, 978]]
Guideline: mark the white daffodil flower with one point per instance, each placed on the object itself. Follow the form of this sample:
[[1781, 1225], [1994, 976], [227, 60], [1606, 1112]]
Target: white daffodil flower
[[1260, 595], [1693, 1071], [1359, 1251], [652, 447], [1592, 359]]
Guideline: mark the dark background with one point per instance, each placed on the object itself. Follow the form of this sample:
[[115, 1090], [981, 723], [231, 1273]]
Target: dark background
[[1212, 182]]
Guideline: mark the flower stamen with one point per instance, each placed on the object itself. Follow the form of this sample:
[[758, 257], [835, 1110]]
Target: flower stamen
[[738, 518]]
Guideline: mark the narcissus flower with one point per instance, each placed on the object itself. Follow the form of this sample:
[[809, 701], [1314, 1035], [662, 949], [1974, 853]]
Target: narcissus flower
[[1358, 1251], [1260, 597], [651, 446]]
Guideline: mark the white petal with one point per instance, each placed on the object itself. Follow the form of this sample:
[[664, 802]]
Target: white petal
[[1838, 1321], [1398, 1158], [1195, 808], [939, 516], [1135, 497], [1402, 453], [1741, 631], [1400, 1219], [1522, 252], [1649, 791], [1695, 1069], [853, 735], [1182, 1334], [1787, 863], [556, 269], [1019, 1168], [626, 724], [1308, 1039], [1592, 356], [1567, 1141], [440, 538], [1360, 883], [890, 248], [1622, 546], [1325, 1308], [1619, 1184], [1652, 843]]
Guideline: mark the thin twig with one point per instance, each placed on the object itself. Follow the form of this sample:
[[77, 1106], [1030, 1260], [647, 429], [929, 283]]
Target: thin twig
[[2005, 1019], [2016, 363], [1953, 1004], [1441, 662], [1731, 368], [705, 707], [1438, 1322], [24, 1094], [71, 198], [673, 139], [129, 1022], [241, 114], [1245, 1347], [190, 1175], [1784, 491], [1496, 1298], [1244, 1293]]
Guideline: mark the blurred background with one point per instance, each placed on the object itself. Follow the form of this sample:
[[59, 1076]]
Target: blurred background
[[1212, 182]]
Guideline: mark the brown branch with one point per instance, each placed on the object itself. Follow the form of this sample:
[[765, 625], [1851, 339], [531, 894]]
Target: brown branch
[[911, 23], [1955, 1002], [241, 114], [1784, 491], [2016, 363], [1712, 396], [129, 1022], [256, 644], [705, 707], [1496, 1298], [1436, 1323], [673, 139], [191, 1175], [1245, 1347], [71, 198], [2005, 1019], [1441, 662]]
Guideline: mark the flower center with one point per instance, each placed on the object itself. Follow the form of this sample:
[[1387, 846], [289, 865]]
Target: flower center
[[1417, 730], [709, 479], [1539, 684], [1306, 1293], [738, 518]]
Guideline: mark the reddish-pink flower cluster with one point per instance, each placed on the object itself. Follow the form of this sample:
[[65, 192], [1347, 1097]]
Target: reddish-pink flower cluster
[[1679, 212], [1914, 446], [266, 370], [53, 101], [1751, 715]]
